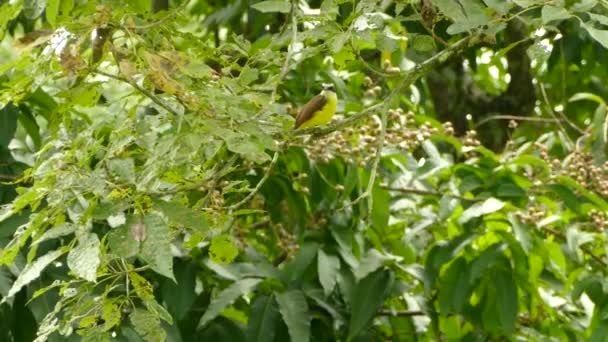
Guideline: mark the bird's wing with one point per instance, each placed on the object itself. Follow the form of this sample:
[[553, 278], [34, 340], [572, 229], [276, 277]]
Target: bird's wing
[[306, 113]]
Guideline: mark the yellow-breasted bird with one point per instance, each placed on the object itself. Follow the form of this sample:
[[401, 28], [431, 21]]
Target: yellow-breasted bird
[[319, 110]]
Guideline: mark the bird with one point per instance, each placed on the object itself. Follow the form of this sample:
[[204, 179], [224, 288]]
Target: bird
[[319, 110]]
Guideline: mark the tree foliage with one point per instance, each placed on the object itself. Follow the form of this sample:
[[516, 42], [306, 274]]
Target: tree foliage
[[153, 188]]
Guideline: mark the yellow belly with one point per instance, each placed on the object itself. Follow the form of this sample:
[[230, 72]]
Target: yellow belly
[[321, 117]]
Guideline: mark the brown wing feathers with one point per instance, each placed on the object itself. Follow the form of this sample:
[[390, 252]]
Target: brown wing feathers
[[306, 113]]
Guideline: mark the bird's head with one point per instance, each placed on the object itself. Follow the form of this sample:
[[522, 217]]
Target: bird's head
[[328, 88]]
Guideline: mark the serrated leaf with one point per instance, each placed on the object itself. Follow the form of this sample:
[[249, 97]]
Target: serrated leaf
[[32, 271], [156, 248], [158, 310], [122, 169], [226, 298], [479, 209], [270, 6], [84, 258], [223, 250], [328, 266], [183, 216], [121, 241], [294, 309], [248, 75], [147, 325], [367, 298], [249, 149], [263, 320]]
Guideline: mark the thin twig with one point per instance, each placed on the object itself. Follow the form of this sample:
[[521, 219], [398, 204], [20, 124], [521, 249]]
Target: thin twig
[[401, 313], [217, 175], [561, 114], [257, 188], [427, 193], [290, 51], [161, 21], [516, 118], [8, 177], [585, 249], [259, 225], [148, 94]]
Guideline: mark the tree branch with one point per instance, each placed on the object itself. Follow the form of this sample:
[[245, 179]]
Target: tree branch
[[148, 94], [401, 313], [408, 78], [428, 193], [257, 188]]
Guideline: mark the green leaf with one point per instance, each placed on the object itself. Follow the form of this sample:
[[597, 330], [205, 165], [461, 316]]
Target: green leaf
[[500, 6], [506, 299], [556, 256], [182, 216], [84, 258], [223, 250], [601, 36], [485, 261], [372, 261], [32, 271], [226, 298], [269, 6], [552, 13], [294, 309], [466, 14], [301, 261], [246, 147], [450, 326], [600, 332], [263, 320], [367, 298], [27, 120], [121, 241], [421, 42], [455, 287], [52, 8], [586, 96], [481, 208], [602, 19], [32, 9], [156, 247], [328, 266], [122, 169], [8, 124], [147, 325], [248, 75], [179, 297], [55, 232], [380, 209]]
